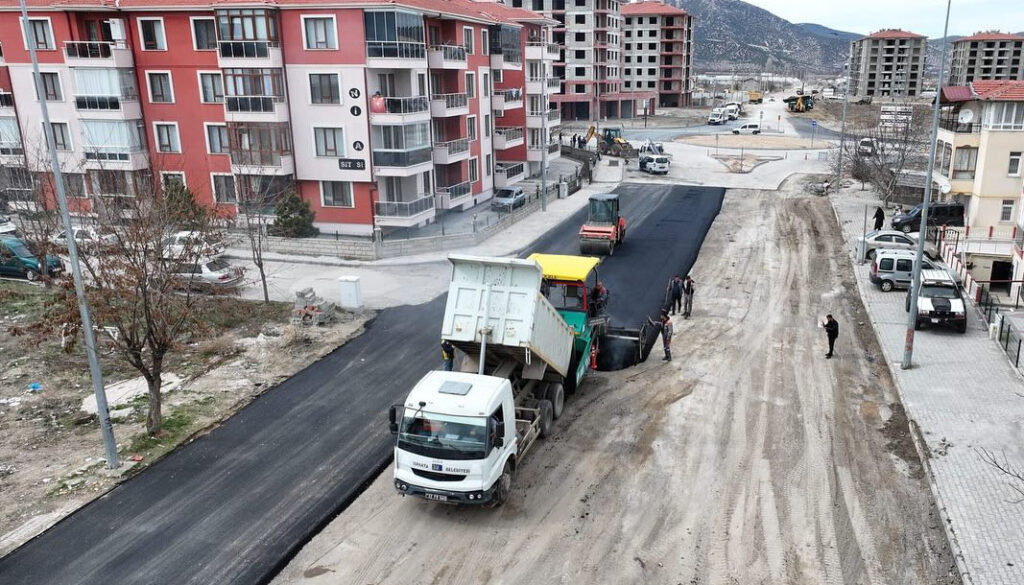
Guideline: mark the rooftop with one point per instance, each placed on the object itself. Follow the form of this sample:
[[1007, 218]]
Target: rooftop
[[993, 35], [652, 7], [894, 33], [998, 90]]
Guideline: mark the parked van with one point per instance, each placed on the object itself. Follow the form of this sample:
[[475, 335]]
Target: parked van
[[951, 214], [716, 117], [748, 128], [894, 269]]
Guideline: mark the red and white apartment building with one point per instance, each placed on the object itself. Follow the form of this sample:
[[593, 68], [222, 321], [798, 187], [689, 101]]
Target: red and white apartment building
[[380, 112]]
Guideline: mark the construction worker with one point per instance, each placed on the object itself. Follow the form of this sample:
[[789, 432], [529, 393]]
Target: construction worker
[[832, 330], [664, 325], [600, 295], [674, 292], [448, 355], [688, 290]]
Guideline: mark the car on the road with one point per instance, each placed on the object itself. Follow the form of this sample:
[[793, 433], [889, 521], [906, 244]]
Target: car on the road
[[948, 214], [748, 128], [655, 164], [85, 237], [17, 260], [894, 269], [508, 198], [939, 302], [211, 275], [7, 226], [716, 117], [193, 244], [890, 240]]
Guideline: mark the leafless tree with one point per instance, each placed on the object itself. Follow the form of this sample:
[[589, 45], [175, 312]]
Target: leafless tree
[[257, 195], [1014, 474]]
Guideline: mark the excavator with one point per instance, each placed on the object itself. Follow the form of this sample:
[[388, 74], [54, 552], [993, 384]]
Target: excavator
[[612, 143], [800, 103]]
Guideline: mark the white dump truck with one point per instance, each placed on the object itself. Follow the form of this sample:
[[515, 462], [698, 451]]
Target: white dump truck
[[461, 435]]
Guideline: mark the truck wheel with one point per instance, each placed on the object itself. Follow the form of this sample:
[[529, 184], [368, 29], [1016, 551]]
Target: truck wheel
[[502, 487], [887, 285], [556, 395], [547, 418]]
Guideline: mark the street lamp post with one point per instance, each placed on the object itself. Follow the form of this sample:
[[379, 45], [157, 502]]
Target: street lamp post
[[908, 352], [842, 135]]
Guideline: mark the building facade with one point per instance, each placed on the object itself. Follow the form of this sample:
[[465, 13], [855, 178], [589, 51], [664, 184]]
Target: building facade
[[988, 55], [888, 63], [658, 52], [378, 113]]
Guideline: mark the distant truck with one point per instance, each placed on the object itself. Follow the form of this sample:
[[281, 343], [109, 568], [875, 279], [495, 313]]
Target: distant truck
[[755, 97], [529, 329]]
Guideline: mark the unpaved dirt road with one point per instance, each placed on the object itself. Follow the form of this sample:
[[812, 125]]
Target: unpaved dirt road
[[750, 459]]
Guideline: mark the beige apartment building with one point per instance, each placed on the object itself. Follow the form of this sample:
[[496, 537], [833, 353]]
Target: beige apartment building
[[987, 55], [888, 63], [658, 52]]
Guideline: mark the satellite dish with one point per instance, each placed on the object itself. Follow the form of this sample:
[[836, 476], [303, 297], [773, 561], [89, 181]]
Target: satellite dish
[[966, 116]]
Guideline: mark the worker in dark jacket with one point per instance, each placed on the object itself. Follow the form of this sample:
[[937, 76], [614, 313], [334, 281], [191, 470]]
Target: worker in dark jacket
[[688, 290], [879, 218], [600, 297], [664, 325], [832, 330], [674, 292], [448, 355]]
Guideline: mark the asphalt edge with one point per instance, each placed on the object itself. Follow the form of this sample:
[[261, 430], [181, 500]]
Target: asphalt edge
[[920, 446]]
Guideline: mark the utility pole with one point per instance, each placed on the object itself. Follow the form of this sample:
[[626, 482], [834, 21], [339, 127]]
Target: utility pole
[[842, 135], [544, 136], [908, 352], [106, 430]]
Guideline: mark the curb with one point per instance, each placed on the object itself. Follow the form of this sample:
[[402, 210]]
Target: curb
[[915, 431]]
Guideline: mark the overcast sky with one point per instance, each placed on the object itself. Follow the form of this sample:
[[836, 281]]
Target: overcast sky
[[921, 16]]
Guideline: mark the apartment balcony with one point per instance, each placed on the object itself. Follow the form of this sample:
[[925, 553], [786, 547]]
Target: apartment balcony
[[535, 152], [454, 196], [446, 105], [395, 55], [404, 213], [108, 107], [402, 110], [255, 108], [506, 60], [535, 85], [249, 54], [538, 119], [507, 174], [97, 54], [447, 57], [539, 51], [507, 99], [505, 138], [402, 163], [12, 154], [116, 158], [451, 151], [253, 162]]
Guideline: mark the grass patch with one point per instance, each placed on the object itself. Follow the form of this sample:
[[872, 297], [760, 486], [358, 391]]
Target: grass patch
[[23, 299], [177, 425], [247, 318]]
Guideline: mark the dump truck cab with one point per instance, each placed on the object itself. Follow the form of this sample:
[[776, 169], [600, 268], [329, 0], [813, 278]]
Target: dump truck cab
[[605, 228]]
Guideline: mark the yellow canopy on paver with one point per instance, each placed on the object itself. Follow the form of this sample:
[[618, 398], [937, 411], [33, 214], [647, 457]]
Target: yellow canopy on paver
[[561, 267]]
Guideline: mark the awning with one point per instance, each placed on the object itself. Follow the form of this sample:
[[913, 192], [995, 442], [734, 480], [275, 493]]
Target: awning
[[559, 267]]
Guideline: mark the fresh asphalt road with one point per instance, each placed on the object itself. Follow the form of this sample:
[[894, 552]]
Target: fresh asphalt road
[[238, 502]]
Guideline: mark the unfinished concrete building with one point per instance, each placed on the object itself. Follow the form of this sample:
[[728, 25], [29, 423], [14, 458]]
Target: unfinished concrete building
[[658, 52], [987, 56], [888, 63]]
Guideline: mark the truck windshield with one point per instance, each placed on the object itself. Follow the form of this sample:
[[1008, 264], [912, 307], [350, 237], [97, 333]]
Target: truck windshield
[[565, 295], [939, 292], [444, 436]]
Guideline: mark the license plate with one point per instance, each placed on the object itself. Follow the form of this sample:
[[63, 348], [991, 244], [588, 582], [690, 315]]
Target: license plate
[[436, 497]]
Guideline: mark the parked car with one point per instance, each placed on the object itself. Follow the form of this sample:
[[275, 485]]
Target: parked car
[[656, 164], [894, 269], [866, 147], [748, 128], [939, 302], [17, 260], [890, 240], [195, 245], [508, 198], [211, 275], [85, 237], [951, 214], [8, 227]]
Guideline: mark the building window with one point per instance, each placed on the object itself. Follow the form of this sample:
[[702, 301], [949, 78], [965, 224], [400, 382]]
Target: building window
[[104, 182], [160, 90], [965, 161], [581, 54], [323, 88], [217, 138], [61, 136], [470, 85], [169, 178], [204, 34], [471, 128], [485, 42], [580, 18], [211, 88], [320, 32], [629, 46], [329, 141], [151, 31], [487, 125], [1007, 211], [51, 87], [224, 188], [41, 34], [581, 72], [487, 85], [247, 25], [474, 170], [1014, 169], [74, 185], [581, 37], [167, 137], [490, 164], [467, 39], [336, 194]]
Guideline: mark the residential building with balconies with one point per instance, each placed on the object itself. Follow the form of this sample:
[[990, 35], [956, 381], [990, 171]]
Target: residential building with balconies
[[987, 55], [658, 52], [888, 63]]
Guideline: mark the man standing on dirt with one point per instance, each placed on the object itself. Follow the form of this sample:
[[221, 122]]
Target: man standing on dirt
[[879, 218], [674, 292], [448, 355], [688, 290], [665, 326], [832, 330]]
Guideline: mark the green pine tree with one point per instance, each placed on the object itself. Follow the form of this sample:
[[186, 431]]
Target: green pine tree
[[294, 218]]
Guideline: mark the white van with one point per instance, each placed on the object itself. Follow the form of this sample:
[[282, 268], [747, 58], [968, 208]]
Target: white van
[[716, 117], [894, 269], [748, 128], [654, 163]]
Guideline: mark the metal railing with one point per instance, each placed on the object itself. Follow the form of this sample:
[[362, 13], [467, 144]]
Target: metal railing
[[91, 49], [450, 52], [1009, 337], [251, 103], [509, 170], [452, 100], [453, 147], [402, 158], [511, 95], [257, 158], [510, 134], [11, 148], [422, 203], [406, 105], [553, 147], [549, 47], [395, 50], [455, 191], [246, 49], [954, 125]]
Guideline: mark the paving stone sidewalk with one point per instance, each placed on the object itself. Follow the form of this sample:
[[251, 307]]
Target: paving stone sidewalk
[[963, 394]]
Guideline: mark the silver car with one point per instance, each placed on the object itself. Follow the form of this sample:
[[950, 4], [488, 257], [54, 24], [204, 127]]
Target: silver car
[[206, 275], [890, 240]]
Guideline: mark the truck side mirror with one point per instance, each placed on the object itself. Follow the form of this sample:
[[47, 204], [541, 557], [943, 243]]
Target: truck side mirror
[[499, 435], [393, 419]]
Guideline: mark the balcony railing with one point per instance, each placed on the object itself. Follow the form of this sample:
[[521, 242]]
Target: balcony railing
[[550, 48], [452, 100], [422, 203], [91, 49], [11, 148], [510, 134], [257, 158], [111, 153], [455, 191], [402, 158], [954, 125], [554, 147], [450, 52], [251, 103], [6, 100], [509, 170], [454, 147], [395, 50], [246, 49], [406, 105], [511, 95], [552, 115]]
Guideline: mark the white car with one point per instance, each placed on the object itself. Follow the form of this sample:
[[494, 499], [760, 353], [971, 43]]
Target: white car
[[8, 227], [211, 275], [656, 164], [85, 237], [890, 240], [205, 245], [748, 128]]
